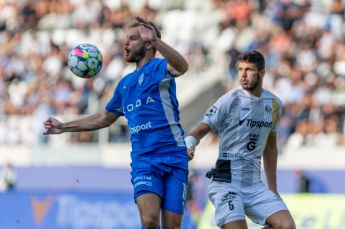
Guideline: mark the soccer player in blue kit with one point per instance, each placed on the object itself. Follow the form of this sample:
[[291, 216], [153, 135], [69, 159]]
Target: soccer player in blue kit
[[147, 98]]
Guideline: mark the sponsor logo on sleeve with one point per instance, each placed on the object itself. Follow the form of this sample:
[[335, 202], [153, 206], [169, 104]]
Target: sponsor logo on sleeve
[[212, 111]]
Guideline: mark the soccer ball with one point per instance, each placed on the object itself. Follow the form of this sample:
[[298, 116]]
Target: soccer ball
[[85, 60]]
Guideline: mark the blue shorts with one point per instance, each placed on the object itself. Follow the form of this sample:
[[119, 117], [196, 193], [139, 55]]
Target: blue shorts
[[156, 175]]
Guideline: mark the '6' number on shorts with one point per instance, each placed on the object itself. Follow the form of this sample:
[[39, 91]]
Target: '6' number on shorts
[[231, 205]]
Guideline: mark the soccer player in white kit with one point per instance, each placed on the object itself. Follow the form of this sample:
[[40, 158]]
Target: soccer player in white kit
[[246, 120]]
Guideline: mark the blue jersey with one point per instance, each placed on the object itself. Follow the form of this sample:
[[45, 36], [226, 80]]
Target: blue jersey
[[147, 98]]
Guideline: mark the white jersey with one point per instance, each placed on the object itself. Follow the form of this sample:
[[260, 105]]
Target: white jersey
[[243, 122]]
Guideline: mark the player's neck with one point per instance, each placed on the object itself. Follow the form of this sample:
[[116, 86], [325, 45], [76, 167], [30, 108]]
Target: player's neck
[[257, 92], [143, 61]]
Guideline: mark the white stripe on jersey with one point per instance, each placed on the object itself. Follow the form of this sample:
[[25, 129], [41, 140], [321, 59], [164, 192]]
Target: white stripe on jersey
[[169, 112]]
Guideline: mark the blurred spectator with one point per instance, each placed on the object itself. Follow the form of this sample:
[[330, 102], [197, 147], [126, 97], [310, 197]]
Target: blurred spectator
[[337, 7], [8, 178], [308, 183], [193, 204], [233, 54], [303, 182], [286, 12], [299, 137]]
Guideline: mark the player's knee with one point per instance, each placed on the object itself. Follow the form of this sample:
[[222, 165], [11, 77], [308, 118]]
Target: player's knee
[[172, 221], [285, 224], [281, 220], [150, 221], [172, 226]]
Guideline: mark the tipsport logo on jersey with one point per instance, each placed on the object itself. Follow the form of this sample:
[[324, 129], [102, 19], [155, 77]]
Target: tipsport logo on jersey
[[138, 128], [253, 123]]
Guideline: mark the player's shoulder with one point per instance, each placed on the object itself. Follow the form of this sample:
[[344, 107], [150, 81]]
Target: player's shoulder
[[230, 96], [270, 95], [234, 93], [127, 77], [156, 61], [155, 66]]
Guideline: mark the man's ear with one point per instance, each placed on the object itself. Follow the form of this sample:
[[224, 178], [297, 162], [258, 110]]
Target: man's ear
[[148, 45], [262, 73]]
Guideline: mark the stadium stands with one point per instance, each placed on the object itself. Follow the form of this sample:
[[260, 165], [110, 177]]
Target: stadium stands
[[305, 59]]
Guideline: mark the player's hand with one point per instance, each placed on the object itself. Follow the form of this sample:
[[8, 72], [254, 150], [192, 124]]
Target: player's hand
[[53, 126], [147, 31], [191, 153]]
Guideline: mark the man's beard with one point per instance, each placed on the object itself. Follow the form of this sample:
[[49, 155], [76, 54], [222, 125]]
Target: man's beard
[[251, 87], [137, 55]]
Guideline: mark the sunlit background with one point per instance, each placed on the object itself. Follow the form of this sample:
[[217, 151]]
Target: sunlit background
[[81, 180]]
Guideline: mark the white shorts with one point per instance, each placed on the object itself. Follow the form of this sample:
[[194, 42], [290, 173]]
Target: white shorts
[[233, 203]]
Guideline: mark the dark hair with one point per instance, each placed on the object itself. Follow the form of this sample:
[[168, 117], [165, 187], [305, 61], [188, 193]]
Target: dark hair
[[136, 24], [254, 57]]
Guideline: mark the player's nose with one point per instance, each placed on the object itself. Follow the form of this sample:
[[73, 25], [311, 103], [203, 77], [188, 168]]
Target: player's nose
[[126, 42], [243, 74]]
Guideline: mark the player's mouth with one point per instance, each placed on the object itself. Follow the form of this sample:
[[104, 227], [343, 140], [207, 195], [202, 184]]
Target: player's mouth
[[245, 82], [127, 52]]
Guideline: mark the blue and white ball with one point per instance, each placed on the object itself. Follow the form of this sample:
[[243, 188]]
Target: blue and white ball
[[85, 60]]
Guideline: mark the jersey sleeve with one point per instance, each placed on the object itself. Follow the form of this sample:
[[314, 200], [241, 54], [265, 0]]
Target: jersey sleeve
[[161, 66], [216, 114], [115, 103], [277, 112]]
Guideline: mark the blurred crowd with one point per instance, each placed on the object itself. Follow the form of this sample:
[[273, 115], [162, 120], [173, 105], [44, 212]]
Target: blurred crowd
[[303, 42]]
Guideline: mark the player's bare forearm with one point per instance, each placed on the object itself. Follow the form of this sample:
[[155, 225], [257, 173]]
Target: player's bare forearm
[[193, 139], [270, 158], [200, 131], [93, 122], [177, 63]]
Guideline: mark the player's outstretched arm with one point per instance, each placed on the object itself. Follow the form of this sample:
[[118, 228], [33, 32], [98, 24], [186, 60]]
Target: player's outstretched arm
[[193, 139], [270, 158], [177, 65], [93, 122]]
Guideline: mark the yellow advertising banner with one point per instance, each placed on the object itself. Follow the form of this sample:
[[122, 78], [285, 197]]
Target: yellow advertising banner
[[310, 211]]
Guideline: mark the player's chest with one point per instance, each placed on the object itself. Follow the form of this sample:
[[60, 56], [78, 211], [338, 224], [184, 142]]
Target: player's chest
[[139, 93], [253, 114]]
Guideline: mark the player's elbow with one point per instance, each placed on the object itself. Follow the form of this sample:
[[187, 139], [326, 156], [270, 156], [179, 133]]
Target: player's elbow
[[184, 68], [106, 119], [181, 69]]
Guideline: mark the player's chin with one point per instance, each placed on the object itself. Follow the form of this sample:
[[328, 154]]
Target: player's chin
[[129, 58], [244, 84], [246, 87]]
